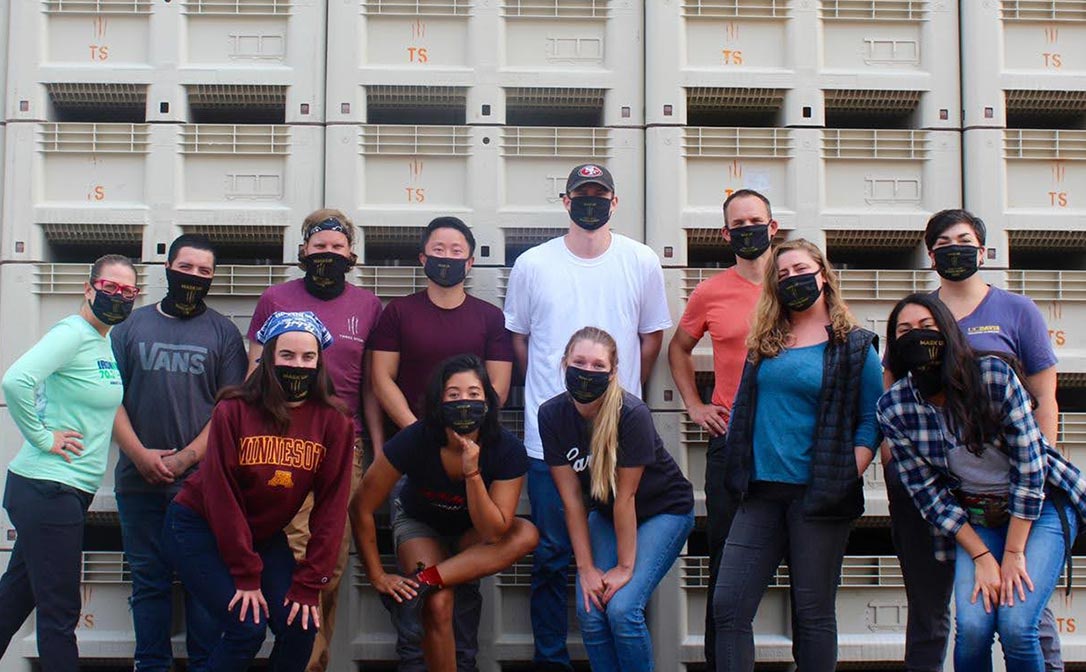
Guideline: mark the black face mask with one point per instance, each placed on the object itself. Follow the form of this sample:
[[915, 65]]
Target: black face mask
[[956, 262], [463, 416], [445, 271], [586, 386], [749, 242], [325, 274], [110, 310], [921, 352], [799, 292], [590, 212], [184, 294], [296, 381]]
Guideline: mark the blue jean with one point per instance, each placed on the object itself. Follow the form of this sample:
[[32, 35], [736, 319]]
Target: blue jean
[[1018, 625], [187, 538], [617, 639], [550, 568], [142, 517]]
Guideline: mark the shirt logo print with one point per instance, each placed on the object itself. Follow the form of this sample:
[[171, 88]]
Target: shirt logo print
[[281, 479], [352, 325]]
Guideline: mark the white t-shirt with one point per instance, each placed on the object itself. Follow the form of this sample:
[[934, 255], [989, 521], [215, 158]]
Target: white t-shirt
[[552, 293]]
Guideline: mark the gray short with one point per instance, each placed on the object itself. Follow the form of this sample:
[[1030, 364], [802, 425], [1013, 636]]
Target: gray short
[[406, 528]]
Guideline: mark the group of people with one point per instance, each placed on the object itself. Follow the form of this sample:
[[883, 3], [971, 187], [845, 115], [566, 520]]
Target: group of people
[[247, 473]]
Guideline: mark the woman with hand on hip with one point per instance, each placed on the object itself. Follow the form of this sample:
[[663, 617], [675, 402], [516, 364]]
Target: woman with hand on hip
[[62, 394], [279, 436], [599, 441]]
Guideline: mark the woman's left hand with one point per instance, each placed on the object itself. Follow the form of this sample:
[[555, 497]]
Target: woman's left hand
[[614, 579], [1015, 578], [308, 614], [469, 454]]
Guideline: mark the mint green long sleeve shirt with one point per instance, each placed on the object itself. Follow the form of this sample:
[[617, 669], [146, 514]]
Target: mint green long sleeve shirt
[[68, 380]]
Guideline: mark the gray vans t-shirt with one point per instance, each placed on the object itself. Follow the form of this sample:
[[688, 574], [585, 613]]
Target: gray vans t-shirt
[[172, 369]]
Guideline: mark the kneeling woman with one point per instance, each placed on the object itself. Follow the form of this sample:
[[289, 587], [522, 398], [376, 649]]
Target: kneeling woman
[[455, 516], [801, 434], [600, 440], [272, 441], [1004, 504]]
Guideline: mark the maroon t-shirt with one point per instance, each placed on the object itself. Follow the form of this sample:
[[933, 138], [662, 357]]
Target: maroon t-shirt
[[253, 480], [425, 335]]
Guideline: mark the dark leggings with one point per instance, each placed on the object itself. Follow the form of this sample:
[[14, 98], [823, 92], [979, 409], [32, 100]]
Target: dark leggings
[[768, 526]]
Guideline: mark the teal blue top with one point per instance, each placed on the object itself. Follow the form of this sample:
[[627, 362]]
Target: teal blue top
[[68, 380], [789, 388]]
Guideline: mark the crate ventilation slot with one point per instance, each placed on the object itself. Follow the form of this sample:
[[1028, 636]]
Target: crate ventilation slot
[[875, 10], [392, 140], [239, 7], [1044, 10], [235, 96], [94, 138], [417, 7], [234, 280], [1048, 285], [105, 567], [390, 281], [1047, 240], [76, 95], [236, 234], [869, 285], [91, 234], [869, 101], [528, 141], [866, 240], [714, 239], [399, 97], [97, 6], [1070, 380], [555, 98], [872, 144], [235, 139], [1044, 144], [752, 143], [716, 99], [556, 9], [735, 9], [530, 236], [1046, 102]]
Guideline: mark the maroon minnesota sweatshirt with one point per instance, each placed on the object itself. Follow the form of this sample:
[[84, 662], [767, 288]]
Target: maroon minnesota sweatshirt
[[252, 482]]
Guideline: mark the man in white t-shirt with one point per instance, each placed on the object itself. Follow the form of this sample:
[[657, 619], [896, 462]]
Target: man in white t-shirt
[[589, 277]]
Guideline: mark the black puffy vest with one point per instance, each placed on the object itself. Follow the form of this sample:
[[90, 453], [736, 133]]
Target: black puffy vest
[[834, 492]]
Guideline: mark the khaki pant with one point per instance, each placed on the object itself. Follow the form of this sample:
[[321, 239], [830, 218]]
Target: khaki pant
[[297, 532]]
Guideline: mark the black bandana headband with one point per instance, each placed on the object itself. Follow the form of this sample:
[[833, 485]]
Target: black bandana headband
[[329, 224]]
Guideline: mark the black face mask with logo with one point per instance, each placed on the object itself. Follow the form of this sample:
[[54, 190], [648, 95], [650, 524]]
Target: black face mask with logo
[[296, 381], [464, 416], [110, 309], [325, 274], [586, 386], [750, 242], [445, 271], [921, 352], [956, 262], [799, 292], [590, 212], [184, 294]]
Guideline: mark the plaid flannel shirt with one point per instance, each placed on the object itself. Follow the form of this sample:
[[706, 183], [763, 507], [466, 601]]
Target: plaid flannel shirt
[[919, 439]]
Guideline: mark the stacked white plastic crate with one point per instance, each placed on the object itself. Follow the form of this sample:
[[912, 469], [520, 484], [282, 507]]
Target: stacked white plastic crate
[[846, 114]]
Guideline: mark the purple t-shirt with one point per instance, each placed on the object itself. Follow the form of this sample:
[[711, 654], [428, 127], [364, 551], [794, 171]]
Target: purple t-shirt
[[1011, 323], [425, 335], [349, 317]]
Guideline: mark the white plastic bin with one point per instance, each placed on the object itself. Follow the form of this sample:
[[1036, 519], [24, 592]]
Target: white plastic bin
[[168, 62], [1061, 296], [141, 185], [372, 636], [803, 62], [822, 182], [503, 182], [1022, 58], [486, 63], [1029, 187]]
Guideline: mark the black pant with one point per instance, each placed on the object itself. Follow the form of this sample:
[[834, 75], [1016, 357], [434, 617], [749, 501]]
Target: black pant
[[720, 510], [929, 585], [45, 567], [770, 526]]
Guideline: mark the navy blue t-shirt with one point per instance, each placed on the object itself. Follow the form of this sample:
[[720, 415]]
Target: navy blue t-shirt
[[567, 440], [428, 494]]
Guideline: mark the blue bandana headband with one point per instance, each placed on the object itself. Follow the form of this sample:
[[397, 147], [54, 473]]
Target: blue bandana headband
[[281, 322], [329, 224]]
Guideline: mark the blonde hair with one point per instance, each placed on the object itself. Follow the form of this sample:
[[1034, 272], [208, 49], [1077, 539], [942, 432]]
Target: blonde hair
[[318, 216], [772, 325], [604, 444]]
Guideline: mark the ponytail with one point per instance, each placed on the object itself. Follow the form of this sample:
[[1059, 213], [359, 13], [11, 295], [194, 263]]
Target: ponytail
[[604, 444]]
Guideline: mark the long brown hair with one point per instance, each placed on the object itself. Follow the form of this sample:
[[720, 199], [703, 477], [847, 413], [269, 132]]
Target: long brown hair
[[772, 323], [604, 444], [262, 389]]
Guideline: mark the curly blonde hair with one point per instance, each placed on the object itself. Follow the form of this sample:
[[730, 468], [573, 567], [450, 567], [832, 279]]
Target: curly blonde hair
[[772, 326]]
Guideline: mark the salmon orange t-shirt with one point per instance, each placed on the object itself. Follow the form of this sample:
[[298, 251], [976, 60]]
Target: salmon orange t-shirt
[[723, 305]]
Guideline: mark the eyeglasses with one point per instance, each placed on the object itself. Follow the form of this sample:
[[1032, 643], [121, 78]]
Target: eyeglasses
[[127, 292]]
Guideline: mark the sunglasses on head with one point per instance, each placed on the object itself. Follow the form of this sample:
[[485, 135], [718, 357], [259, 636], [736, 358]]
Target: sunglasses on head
[[112, 288]]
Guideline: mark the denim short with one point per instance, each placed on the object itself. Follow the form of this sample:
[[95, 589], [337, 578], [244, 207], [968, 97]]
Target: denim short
[[406, 528]]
